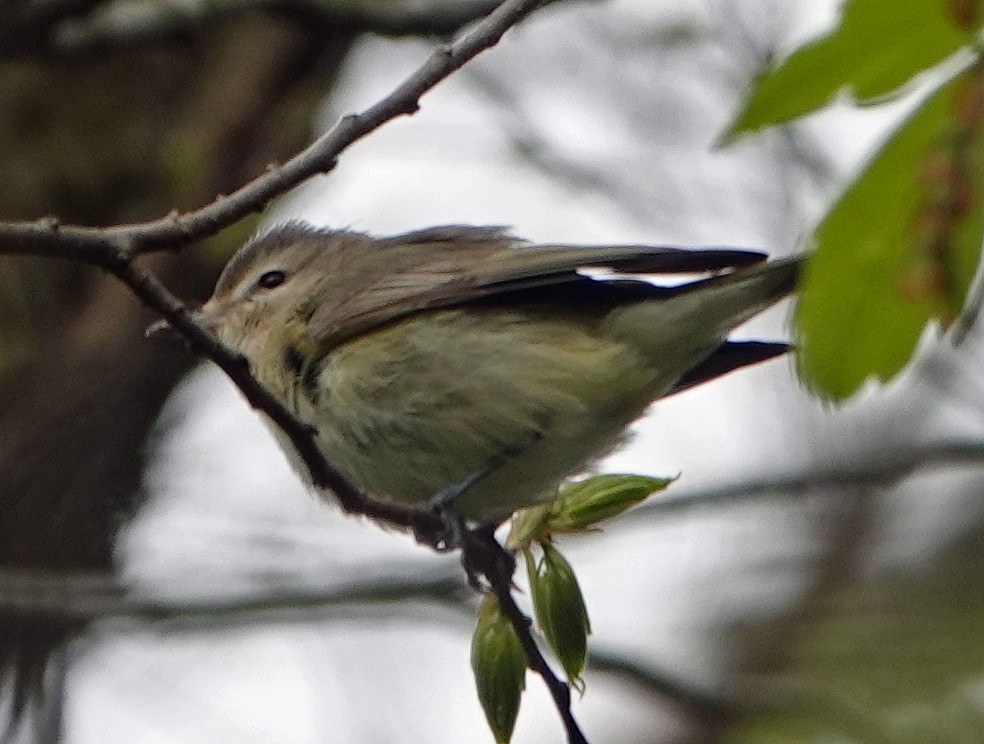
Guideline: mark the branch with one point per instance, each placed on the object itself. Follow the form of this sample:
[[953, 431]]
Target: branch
[[119, 27], [99, 596], [482, 553], [105, 246], [70, 29], [46, 595], [114, 249]]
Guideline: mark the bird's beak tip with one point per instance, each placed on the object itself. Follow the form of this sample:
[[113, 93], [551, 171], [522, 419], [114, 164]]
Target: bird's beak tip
[[205, 316]]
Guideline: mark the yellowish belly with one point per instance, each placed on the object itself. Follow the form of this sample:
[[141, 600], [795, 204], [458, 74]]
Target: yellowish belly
[[417, 407]]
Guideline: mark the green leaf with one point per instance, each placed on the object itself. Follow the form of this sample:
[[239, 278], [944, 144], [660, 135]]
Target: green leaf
[[499, 666], [899, 248], [586, 503], [878, 46], [560, 609], [582, 505]]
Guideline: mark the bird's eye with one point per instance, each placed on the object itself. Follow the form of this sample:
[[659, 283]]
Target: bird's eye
[[271, 279]]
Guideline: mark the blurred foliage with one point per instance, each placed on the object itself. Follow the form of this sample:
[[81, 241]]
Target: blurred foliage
[[100, 138], [901, 247], [895, 658]]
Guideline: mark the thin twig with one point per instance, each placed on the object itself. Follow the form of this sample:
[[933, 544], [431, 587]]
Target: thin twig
[[160, 22], [102, 246], [47, 595]]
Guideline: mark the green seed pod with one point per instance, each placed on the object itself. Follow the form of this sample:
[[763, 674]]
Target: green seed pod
[[583, 504], [499, 666], [560, 610]]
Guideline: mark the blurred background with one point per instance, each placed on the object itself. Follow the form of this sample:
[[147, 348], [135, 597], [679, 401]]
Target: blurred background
[[815, 574]]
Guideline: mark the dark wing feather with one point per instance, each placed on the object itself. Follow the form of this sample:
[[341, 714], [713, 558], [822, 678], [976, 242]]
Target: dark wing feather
[[451, 265], [728, 357]]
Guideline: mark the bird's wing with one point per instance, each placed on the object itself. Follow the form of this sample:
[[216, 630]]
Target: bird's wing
[[448, 266]]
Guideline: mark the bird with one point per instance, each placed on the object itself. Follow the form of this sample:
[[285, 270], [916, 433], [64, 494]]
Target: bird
[[462, 369]]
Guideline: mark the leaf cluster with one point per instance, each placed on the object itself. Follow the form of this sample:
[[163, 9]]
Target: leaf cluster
[[497, 657], [898, 252]]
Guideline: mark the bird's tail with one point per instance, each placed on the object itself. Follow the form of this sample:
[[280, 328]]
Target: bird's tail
[[698, 316]]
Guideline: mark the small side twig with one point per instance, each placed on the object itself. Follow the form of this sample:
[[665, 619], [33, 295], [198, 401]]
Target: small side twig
[[47, 237]]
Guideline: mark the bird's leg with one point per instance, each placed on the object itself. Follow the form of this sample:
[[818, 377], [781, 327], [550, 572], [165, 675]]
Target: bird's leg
[[455, 532], [443, 502], [483, 555]]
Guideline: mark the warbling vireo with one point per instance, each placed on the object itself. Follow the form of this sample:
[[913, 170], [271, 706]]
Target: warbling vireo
[[422, 358]]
